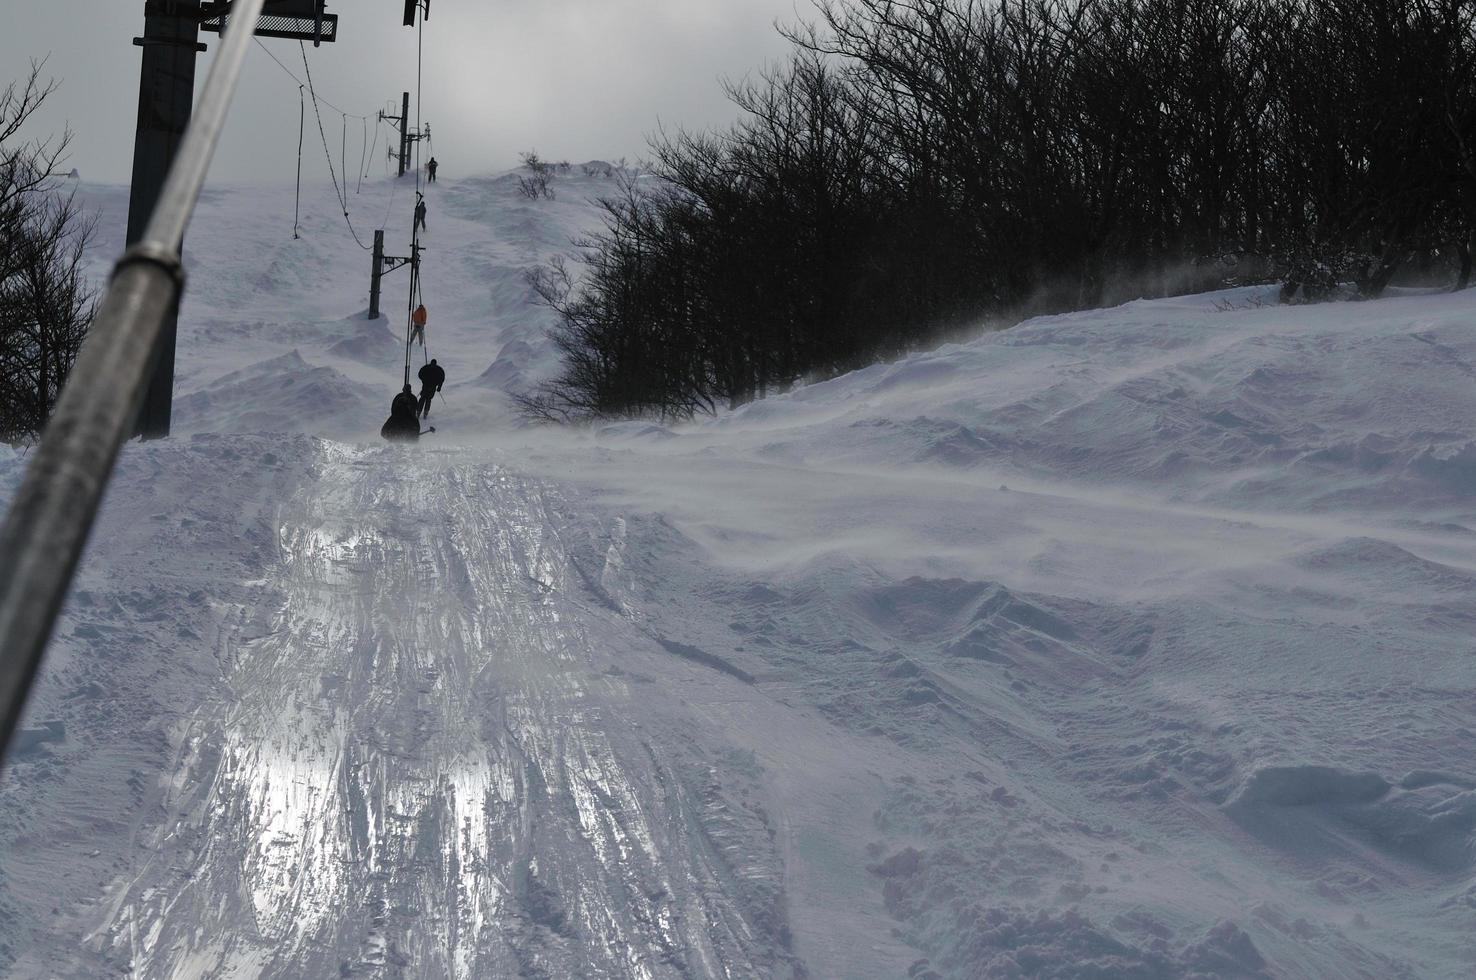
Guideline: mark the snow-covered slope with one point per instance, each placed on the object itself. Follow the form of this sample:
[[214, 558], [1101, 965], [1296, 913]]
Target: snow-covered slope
[[1130, 643]]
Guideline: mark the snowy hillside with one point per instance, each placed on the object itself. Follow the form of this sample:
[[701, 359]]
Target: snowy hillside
[[1131, 643]]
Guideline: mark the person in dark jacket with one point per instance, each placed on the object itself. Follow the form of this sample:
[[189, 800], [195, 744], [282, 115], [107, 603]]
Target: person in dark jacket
[[404, 403], [432, 376], [430, 170], [419, 215], [403, 425]]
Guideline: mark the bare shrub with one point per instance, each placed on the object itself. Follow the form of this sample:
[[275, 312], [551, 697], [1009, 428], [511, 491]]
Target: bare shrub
[[536, 183], [46, 302]]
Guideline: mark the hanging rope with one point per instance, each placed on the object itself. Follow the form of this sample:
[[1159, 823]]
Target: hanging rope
[[342, 199], [415, 290], [410, 306], [342, 153], [301, 118], [299, 81], [363, 152], [364, 168], [341, 194], [416, 297], [394, 189], [420, 300]]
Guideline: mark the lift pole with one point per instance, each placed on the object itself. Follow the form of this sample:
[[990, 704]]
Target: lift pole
[[403, 120], [54, 507], [412, 138], [405, 134], [382, 264], [166, 96], [376, 273]]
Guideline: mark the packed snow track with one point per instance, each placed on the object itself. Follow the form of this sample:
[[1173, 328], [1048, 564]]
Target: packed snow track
[[426, 770]]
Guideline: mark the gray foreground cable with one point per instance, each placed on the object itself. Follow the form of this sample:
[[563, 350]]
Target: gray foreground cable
[[53, 510]]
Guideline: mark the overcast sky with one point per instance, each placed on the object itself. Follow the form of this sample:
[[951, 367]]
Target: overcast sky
[[575, 79]]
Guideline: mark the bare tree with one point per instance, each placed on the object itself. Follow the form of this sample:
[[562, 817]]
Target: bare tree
[[46, 302], [540, 174], [921, 165]]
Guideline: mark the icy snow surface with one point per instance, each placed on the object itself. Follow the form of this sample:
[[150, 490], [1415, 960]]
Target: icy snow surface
[[1132, 643]]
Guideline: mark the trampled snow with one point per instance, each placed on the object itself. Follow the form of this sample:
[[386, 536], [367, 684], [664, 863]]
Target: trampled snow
[[1128, 643]]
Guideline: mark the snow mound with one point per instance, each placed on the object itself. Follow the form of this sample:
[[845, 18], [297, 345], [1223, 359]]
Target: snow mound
[[281, 394], [1008, 943], [1230, 404], [1384, 565], [1429, 819], [1308, 786], [371, 342], [507, 372]]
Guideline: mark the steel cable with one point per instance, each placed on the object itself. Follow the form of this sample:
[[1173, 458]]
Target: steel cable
[[327, 154]]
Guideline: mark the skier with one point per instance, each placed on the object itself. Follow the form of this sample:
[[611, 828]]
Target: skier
[[404, 403], [419, 214], [432, 376], [430, 171], [417, 324], [402, 425]]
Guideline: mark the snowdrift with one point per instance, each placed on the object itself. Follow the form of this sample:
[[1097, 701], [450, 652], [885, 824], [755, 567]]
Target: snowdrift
[[1127, 643]]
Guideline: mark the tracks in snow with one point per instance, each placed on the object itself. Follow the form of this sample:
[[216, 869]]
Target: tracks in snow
[[424, 768]]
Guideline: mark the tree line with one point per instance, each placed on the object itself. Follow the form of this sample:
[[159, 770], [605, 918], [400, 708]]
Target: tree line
[[921, 166], [46, 301]]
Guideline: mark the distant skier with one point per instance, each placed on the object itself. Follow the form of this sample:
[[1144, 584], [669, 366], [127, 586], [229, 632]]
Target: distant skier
[[430, 171], [417, 325], [432, 376], [403, 425], [419, 214]]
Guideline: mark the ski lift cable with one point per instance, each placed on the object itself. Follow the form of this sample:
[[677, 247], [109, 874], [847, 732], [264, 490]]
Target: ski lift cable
[[410, 306], [416, 295], [419, 61], [416, 292], [419, 300], [293, 76], [342, 199], [363, 154], [301, 119], [346, 116], [394, 189], [374, 145]]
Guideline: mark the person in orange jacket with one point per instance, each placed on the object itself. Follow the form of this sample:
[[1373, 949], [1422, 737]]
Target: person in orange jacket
[[417, 324]]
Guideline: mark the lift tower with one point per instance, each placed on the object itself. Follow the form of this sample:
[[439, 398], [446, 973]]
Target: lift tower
[[401, 124], [166, 93]]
